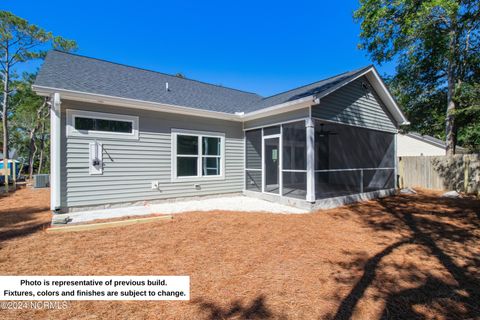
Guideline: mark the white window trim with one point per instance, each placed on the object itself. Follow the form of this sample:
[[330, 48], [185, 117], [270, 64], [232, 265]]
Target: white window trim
[[72, 132], [200, 156]]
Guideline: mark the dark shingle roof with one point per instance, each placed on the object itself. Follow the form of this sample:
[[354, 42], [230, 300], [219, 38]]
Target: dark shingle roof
[[78, 73], [315, 88]]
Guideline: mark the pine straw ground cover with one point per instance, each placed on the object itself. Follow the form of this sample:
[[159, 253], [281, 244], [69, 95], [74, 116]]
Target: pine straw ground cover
[[415, 256]]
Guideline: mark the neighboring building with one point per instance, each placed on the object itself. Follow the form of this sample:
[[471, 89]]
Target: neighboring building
[[123, 135], [11, 160], [12, 154], [415, 144]]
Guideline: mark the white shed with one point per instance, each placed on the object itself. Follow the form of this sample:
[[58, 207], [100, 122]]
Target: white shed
[[415, 144]]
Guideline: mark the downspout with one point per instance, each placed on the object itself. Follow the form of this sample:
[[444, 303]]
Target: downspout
[[55, 143]]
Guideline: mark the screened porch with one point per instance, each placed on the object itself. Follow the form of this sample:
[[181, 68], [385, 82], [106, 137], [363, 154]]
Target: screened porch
[[313, 160]]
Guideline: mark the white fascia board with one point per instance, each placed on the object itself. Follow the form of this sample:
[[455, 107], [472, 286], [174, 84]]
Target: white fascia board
[[133, 103]]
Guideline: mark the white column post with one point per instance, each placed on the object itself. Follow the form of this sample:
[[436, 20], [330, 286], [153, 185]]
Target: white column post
[[395, 170], [310, 128], [55, 143]]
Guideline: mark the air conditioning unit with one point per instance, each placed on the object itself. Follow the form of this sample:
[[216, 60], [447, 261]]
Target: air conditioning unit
[[41, 180]]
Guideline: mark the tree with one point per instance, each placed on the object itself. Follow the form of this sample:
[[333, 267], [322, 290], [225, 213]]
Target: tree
[[28, 122], [20, 42], [437, 45]]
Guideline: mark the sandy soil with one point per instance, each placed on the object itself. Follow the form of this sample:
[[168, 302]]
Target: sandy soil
[[403, 257]]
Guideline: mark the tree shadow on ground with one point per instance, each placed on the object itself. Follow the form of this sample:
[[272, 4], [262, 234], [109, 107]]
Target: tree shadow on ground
[[23, 220], [446, 230], [23, 231], [256, 309]]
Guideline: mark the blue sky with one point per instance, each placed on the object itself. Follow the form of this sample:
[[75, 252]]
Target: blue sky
[[259, 46]]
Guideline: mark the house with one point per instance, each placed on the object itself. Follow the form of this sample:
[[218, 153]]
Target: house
[[124, 136], [415, 144]]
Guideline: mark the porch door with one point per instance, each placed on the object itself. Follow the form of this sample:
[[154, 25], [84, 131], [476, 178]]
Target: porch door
[[271, 148]]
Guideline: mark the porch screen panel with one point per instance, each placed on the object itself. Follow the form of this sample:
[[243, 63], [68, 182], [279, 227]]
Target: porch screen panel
[[294, 155], [253, 179], [253, 160], [351, 160]]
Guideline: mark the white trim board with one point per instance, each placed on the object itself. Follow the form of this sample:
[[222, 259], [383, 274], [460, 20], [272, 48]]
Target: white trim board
[[55, 151]]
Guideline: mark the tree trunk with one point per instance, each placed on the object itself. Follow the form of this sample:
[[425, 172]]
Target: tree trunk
[[21, 168], [31, 153], [6, 80], [33, 136], [42, 146], [450, 125]]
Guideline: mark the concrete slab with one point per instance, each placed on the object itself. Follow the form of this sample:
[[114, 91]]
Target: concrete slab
[[232, 203]]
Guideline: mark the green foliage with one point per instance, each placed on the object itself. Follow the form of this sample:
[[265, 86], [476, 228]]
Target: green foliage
[[21, 42], [25, 105], [468, 114], [26, 41], [434, 41]]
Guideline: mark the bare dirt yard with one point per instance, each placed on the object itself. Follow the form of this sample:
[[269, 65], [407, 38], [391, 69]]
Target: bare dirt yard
[[402, 257]]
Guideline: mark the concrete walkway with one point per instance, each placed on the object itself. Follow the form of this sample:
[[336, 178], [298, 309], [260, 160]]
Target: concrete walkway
[[233, 203]]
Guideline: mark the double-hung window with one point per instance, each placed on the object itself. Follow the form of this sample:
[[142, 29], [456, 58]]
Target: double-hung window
[[197, 155]]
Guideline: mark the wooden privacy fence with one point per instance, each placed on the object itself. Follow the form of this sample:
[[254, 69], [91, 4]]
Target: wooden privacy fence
[[460, 172]]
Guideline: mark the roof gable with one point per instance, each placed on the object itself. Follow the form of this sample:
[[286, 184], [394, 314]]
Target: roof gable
[[355, 104]]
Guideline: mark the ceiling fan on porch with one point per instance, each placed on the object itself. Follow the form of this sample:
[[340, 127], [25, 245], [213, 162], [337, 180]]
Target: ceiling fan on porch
[[325, 133]]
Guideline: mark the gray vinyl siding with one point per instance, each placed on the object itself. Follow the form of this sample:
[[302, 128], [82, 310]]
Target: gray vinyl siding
[[253, 145], [354, 105], [278, 118], [131, 165]]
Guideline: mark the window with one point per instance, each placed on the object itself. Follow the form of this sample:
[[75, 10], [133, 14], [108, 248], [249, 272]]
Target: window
[[89, 124], [101, 125], [211, 156], [197, 155]]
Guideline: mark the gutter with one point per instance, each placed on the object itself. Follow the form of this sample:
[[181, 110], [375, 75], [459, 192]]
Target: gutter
[[154, 106], [132, 103]]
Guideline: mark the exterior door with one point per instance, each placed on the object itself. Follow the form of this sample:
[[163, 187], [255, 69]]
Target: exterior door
[[271, 147]]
